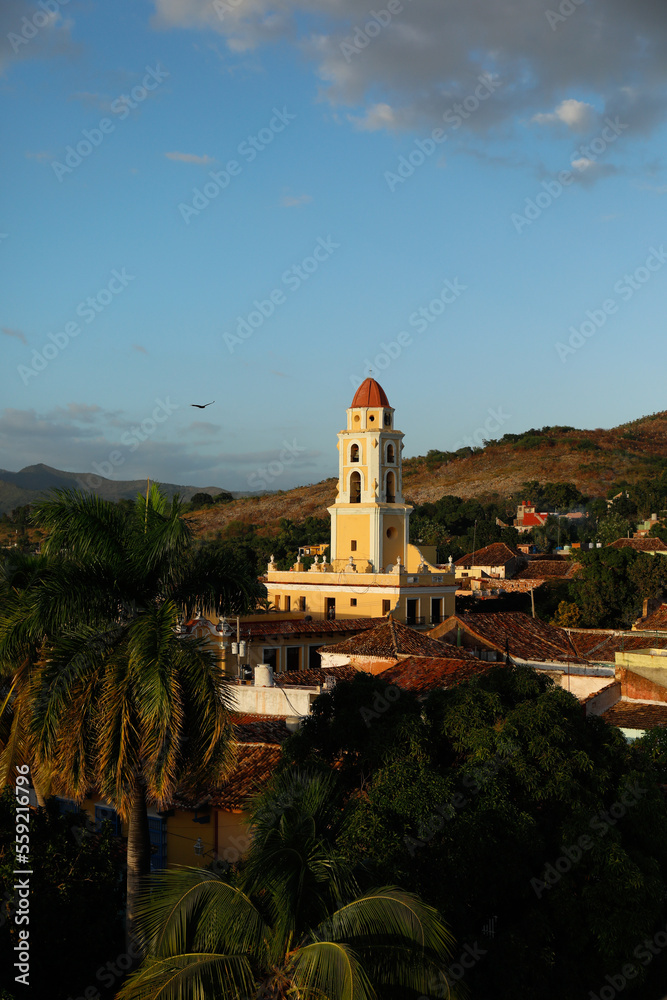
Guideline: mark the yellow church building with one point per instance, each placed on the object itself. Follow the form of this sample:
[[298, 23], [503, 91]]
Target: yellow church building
[[373, 568]]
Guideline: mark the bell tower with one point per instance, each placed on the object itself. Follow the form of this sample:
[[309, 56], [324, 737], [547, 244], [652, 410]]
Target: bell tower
[[369, 520]]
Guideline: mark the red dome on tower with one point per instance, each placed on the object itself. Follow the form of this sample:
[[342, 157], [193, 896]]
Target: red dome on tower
[[370, 393]]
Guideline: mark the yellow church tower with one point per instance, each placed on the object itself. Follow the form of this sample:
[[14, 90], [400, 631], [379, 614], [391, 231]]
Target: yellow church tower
[[369, 520], [374, 569]]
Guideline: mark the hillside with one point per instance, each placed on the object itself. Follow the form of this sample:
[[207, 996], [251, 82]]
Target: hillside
[[592, 460], [28, 485]]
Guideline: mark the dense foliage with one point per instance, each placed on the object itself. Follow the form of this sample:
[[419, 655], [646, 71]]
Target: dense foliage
[[76, 904], [480, 804], [291, 920]]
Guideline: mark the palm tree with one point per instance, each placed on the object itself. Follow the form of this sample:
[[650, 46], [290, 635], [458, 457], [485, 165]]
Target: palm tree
[[24, 623], [291, 921], [120, 702]]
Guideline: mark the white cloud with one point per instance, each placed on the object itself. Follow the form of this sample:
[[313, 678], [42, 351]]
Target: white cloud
[[428, 58], [201, 161], [378, 116], [577, 115], [292, 200]]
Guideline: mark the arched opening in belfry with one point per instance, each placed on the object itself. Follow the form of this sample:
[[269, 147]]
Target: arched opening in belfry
[[391, 487], [390, 454], [354, 453], [355, 488]]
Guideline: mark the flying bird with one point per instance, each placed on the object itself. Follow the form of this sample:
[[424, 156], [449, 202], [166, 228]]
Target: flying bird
[[202, 406]]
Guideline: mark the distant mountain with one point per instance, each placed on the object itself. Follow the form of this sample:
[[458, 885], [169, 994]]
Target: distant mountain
[[31, 484]]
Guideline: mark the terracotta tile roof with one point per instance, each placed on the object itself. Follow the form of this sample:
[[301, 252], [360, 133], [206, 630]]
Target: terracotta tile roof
[[497, 554], [315, 676], [636, 715], [639, 544], [602, 644], [320, 626], [268, 729], [422, 674], [527, 638], [257, 747], [656, 620], [391, 639], [548, 569], [370, 393], [255, 765]]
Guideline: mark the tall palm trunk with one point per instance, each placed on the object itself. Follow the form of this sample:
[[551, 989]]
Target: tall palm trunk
[[138, 856]]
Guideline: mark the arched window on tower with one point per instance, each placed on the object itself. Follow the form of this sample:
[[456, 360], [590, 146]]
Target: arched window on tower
[[391, 487], [355, 488], [354, 453], [390, 454]]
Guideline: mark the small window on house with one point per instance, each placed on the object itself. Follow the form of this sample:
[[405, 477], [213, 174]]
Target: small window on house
[[353, 546], [386, 607], [288, 603], [292, 657], [302, 604], [270, 656], [353, 602], [354, 453]]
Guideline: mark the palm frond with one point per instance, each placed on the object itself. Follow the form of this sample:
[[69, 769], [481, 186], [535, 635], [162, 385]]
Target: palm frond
[[84, 525], [331, 970], [190, 977], [190, 908]]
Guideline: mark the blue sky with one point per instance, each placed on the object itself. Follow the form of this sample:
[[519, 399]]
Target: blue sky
[[254, 198]]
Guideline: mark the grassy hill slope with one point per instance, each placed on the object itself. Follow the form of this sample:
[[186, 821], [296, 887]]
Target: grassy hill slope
[[592, 460]]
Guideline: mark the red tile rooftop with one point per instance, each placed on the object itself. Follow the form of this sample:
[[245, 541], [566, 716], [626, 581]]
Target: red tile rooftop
[[422, 674], [639, 544], [497, 554], [636, 715], [526, 638], [656, 620], [390, 640]]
